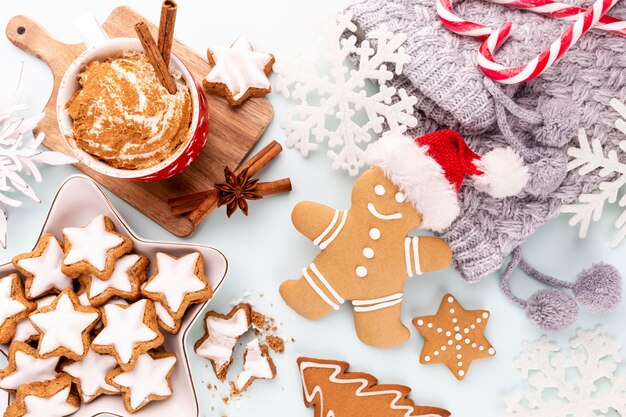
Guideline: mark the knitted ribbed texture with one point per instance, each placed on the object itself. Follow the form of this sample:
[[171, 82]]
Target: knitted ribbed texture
[[539, 119]]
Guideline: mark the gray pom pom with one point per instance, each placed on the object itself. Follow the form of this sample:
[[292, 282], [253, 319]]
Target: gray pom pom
[[551, 309], [546, 173], [561, 119], [599, 288]]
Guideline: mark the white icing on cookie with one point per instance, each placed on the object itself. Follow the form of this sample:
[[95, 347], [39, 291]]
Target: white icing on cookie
[[119, 279], [54, 406], [239, 68], [63, 327], [164, 315], [9, 306], [255, 366], [25, 329], [175, 279], [148, 377], [29, 369], [372, 209], [90, 243], [364, 306], [125, 327], [46, 270], [91, 372], [223, 335]]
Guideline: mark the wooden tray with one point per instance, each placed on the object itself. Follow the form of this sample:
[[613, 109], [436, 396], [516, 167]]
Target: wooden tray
[[233, 132]]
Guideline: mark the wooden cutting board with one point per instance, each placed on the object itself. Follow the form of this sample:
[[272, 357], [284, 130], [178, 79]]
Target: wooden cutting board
[[233, 131]]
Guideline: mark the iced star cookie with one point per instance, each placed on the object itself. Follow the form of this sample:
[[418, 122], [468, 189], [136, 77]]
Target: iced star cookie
[[45, 399], [42, 268], [165, 319], [129, 273], [238, 72], [25, 332], [221, 333], [257, 364], [26, 366], [128, 332], [454, 337], [14, 307], [64, 327], [89, 375], [93, 249], [148, 381], [178, 282]]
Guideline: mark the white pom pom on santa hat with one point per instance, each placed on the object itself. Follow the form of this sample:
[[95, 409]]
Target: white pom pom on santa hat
[[431, 168]]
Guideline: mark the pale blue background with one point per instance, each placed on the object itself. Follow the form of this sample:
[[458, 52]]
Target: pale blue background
[[264, 249]]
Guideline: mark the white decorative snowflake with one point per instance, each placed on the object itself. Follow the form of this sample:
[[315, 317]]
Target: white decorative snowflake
[[334, 101], [19, 154], [590, 157], [583, 382]]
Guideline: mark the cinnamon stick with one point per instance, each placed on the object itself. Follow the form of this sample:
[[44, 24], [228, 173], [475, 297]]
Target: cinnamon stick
[[166, 29], [155, 58]]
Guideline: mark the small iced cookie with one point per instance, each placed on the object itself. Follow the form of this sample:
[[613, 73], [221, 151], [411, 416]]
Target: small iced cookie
[[93, 249], [257, 364], [148, 381], [128, 332], [64, 327], [45, 399], [177, 283], [221, 333], [238, 72], [25, 332], [42, 268], [14, 307], [26, 366], [129, 273], [165, 319], [89, 375]]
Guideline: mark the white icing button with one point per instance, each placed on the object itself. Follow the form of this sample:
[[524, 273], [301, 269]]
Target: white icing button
[[461, 372], [426, 358], [361, 271], [460, 364], [374, 233], [459, 356], [458, 336], [439, 330], [430, 325], [492, 351], [451, 311], [443, 348], [420, 322], [485, 315], [379, 190], [368, 253], [400, 197], [436, 353], [450, 299]]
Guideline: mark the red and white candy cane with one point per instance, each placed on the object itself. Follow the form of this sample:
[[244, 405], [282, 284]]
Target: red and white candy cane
[[492, 40]]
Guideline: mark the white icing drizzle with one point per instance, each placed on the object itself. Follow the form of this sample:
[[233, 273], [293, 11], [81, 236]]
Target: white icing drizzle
[[46, 270], [416, 255], [255, 365], [239, 68], [176, 278], [411, 248], [63, 327], [363, 306], [164, 315], [25, 329], [29, 369], [148, 377], [119, 280], [222, 337], [407, 256], [53, 406], [91, 372], [334, 305], [372, 209], [124, 329], [9, 306], [311, 392], [326, 231], [90, 243]]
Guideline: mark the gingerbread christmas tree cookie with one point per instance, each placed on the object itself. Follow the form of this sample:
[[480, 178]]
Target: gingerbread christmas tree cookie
[[53, 398], [454, 336], [14, 307]]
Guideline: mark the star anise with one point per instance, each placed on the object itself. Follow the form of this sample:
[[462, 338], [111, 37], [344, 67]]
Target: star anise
[[236, 190]]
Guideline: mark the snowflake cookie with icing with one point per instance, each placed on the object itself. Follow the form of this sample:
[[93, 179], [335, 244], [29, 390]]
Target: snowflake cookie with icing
[[454, 337], [42, 268], [26, 366], [64, 327], [257, 364], [177, 283], [53, 398], [128, 332], [89, 375], [238, 72], [221, 333], [129, 273], [93, 249], [148, 380], [14, 307]]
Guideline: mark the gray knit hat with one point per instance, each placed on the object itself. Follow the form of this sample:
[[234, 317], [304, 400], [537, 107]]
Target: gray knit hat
[[538, 119]]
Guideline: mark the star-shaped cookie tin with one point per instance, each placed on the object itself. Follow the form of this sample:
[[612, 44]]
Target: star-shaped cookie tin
[[79, 200]]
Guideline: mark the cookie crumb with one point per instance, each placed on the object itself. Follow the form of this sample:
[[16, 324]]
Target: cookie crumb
[[258, 320], [277, 344]]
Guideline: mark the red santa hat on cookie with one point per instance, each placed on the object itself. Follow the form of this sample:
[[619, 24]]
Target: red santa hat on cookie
[[430, 170]]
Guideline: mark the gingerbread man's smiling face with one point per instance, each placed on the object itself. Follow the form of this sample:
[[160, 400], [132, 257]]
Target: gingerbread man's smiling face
[[383, 200]]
